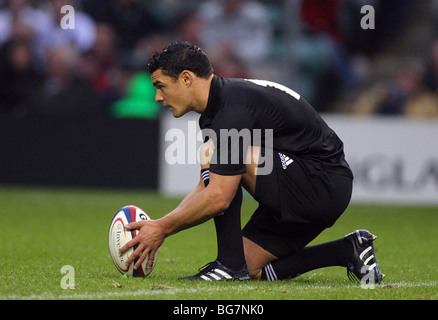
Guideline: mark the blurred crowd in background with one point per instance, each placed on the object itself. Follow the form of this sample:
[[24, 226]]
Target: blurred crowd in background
[[317, 47]]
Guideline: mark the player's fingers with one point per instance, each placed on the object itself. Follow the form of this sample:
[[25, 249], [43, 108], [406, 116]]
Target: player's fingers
[[150, 263], [140, 260], [134, 254], [129, 244], [134, 225]]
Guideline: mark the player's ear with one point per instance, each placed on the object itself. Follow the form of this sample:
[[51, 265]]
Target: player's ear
[[186, 77]]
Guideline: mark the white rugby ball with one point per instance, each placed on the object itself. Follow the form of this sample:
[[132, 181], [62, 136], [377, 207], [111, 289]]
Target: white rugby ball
[[118, 236]]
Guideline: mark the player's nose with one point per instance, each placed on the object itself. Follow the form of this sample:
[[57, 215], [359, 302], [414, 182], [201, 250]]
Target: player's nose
[[158, 97]]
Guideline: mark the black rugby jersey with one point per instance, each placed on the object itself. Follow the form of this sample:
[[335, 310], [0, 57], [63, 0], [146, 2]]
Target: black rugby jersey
[[266, 108]]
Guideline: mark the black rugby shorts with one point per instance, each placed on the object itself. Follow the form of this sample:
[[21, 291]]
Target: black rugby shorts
[[295, 204]]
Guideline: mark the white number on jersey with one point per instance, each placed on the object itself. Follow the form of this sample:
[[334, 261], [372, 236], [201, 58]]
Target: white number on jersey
[[265, 83]]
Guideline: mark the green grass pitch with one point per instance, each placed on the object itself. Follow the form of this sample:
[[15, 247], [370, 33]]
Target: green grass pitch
[[44, 229]]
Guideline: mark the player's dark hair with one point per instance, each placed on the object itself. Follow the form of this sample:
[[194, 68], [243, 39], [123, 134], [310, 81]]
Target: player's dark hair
[[180, 56]]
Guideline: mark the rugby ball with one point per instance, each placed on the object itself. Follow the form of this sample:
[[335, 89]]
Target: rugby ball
[[118, 236]]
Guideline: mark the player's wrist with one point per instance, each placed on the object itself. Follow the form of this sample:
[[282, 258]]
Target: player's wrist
[[167, 226]]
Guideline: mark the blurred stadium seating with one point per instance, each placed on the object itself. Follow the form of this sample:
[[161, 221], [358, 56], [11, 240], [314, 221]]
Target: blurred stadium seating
[[315, 46]]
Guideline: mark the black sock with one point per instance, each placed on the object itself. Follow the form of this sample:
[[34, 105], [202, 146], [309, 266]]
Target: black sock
[[228, 231], [333, 253]]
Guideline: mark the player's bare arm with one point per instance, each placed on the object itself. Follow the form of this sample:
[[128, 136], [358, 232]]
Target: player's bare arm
[[198, 208], [199, 187], [215, 198]]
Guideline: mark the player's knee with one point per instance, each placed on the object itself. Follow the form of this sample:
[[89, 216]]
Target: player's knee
[[205, 153], [255, 273], [256, 258], [254, 268]]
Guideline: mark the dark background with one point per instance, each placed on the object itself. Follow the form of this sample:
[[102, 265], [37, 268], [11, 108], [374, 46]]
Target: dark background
[[96, 152]]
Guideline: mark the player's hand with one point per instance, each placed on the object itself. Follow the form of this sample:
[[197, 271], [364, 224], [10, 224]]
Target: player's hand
[[148, 240]]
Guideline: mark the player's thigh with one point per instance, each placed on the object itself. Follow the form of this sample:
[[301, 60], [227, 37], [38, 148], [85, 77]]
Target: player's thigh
[[260, 178], [249, 178], [260, 167], [256, 257]]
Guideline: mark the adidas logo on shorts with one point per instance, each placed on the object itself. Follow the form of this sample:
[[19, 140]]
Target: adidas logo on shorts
[[285, 160]]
